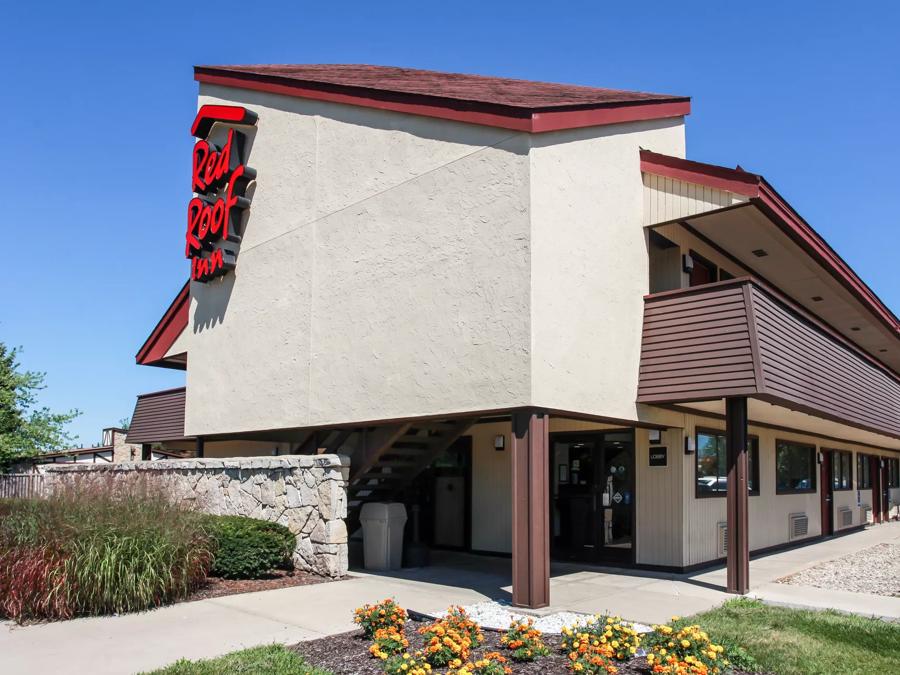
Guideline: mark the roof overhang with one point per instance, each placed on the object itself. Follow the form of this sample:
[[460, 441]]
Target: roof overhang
[[530, 119], [741, 215], [163, 348]]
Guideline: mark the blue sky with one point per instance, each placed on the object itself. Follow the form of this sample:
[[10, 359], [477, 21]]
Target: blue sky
[[98, 99]]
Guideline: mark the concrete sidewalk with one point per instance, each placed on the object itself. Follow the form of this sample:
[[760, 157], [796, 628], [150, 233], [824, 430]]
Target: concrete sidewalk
[[206, 628]]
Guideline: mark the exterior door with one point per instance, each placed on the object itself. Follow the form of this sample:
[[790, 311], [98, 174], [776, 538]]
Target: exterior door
[[617, 497], [592, 496], [826, 481]]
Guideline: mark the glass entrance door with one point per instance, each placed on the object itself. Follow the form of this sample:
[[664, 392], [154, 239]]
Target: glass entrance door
[[592, 496], [618, 496]]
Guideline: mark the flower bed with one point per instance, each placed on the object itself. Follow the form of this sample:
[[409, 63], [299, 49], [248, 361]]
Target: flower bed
[[456, 645]]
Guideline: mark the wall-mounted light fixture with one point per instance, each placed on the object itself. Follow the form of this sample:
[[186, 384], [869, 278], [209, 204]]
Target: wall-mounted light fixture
[[687, 263], [821, 458], [689, 447], [655, 436], [499, 442]]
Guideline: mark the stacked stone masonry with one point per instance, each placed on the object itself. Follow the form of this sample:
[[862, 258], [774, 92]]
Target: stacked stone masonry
[[308, 494]]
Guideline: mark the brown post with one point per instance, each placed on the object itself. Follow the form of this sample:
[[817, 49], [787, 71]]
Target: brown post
[[531, 509], [737, 497], [199, 446], [146, 452]]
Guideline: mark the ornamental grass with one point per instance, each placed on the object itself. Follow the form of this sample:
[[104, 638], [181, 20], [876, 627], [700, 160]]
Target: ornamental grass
[[98, 546]]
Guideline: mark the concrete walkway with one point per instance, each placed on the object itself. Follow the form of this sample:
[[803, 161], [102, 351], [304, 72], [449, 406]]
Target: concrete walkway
[[138, 642]]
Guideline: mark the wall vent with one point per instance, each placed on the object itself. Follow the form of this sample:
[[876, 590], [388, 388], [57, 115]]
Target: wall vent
[[845, 516], [798, 525], [722, 539]]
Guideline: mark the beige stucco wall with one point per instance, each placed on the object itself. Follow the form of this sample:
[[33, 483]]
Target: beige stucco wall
[[395, 266], [590, 263], [383, 273]]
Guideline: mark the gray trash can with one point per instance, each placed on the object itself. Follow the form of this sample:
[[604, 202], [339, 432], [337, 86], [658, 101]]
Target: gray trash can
[[382, 525]]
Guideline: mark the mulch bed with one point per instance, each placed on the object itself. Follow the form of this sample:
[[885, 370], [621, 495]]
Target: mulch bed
[[348, 654], [216, 587]]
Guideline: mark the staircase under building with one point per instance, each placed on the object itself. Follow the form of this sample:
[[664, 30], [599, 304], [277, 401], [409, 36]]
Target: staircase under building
[[386, 459]]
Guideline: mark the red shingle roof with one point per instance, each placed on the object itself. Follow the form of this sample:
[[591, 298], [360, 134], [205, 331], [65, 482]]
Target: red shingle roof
[[496, 101]]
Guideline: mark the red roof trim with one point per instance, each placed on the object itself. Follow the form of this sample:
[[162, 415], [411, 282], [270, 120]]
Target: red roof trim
[[170, 326], [719, 177], [801, 232], [782, 214], [472, 112]]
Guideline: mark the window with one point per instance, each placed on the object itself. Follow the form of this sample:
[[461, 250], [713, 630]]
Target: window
[[893, 473], [841, 470], [795, 467], [712, 464], [725, 276], [863, 469]]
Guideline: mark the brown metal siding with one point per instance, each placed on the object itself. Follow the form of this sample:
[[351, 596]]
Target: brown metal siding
[[158, 417], [696, 345], [813, 371], [738, 338]]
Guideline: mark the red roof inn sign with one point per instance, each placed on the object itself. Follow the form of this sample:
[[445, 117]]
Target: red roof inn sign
[[219, 180]]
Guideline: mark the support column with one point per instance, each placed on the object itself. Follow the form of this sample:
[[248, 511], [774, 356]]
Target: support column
[[199, 446], [530, 509], [738, 490], [146, 452]]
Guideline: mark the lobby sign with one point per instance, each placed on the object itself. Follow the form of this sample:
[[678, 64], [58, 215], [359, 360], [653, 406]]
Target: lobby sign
[[659, 456], [219, 180]]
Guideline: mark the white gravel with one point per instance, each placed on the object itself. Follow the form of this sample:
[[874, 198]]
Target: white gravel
[[873, 570], [498, 616]]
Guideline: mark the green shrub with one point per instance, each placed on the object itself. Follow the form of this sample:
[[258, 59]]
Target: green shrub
[[246, 548], [101, 546]]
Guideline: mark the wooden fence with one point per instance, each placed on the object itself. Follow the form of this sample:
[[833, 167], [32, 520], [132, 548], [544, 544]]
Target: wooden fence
[[21, 485]]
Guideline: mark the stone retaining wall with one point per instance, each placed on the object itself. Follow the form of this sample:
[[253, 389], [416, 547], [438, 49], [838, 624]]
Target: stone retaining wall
[[306, 493]]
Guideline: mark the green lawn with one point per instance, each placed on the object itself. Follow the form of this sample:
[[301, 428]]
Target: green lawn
[[774, 639], [269, 660], [788, 641]]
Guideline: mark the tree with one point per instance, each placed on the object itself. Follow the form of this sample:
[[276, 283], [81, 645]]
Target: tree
[[25, 429]]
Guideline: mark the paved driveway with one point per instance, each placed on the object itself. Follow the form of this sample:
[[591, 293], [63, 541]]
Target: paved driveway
[[137, 642]]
